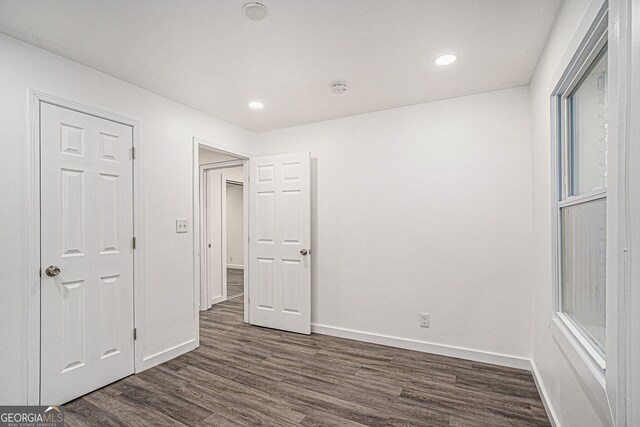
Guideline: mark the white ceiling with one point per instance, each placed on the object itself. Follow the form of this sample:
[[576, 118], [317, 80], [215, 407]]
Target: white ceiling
[[208, 55]]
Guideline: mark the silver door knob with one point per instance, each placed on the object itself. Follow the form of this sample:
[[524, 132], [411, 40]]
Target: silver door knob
[[52, 271], [304, 252]]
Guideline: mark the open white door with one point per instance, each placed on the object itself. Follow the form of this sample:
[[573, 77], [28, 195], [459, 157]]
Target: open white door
[[280, 242]]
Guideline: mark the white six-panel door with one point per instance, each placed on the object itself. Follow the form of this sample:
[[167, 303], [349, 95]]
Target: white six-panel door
[[86, 232], [280, 242]]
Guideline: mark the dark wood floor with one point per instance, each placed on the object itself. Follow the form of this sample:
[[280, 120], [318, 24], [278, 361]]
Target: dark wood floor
[[244, 376], [235, 282]]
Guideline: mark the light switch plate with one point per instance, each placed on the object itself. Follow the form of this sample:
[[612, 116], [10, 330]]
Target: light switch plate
[[182, 225]]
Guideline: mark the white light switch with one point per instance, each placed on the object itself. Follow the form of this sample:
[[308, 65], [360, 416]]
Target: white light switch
[[182, 225]]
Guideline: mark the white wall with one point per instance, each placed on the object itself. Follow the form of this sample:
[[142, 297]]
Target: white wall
[[424, 208], [167, 129], [209, 156], [234, 174], [568, 399], [235, 226]]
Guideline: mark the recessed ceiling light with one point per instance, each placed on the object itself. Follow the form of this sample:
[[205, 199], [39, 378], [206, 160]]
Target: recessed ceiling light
[[445, 59], [256, 105], [255, 11]]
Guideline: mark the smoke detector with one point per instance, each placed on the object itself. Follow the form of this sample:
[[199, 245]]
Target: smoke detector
[[255, 11], [339, 87]]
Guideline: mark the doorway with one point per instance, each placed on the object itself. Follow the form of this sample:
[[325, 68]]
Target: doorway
[[222, 225], [276, 215], [235, 238]]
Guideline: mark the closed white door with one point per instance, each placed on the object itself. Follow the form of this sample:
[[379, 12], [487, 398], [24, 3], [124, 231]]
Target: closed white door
[[280, 242], [86, 254]]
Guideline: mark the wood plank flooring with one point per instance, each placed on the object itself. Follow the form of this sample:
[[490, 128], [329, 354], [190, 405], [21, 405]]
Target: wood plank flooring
[[244, 375], [235, 282]]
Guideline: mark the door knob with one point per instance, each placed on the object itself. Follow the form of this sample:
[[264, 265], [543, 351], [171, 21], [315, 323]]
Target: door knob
[[52, 271], [304, 252]]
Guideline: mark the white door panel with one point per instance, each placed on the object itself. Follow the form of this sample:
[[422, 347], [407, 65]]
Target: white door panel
[[213, 225], [87, 227], [280, 228]]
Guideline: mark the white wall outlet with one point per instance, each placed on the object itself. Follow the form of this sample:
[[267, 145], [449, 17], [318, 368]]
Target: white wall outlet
[[230, 258], [182, 225], [424, 320]]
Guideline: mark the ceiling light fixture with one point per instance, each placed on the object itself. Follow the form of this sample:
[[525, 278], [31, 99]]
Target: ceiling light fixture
[[256, 105], [446, 59], [255, 11]]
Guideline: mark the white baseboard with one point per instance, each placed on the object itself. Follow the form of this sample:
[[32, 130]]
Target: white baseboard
[[425, 347], [236, 266], [168, 354], [542, 391]]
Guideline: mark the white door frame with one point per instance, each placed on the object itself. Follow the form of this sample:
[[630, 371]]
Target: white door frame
[[205, 296], [33, 265], [244, 156]]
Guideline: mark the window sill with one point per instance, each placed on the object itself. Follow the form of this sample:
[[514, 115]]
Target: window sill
[[589, 374], [583, 343]]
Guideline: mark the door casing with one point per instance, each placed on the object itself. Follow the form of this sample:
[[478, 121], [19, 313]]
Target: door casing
[[36, 98]]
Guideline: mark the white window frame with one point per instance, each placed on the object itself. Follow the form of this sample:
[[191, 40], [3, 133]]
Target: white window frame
[[586, 54]]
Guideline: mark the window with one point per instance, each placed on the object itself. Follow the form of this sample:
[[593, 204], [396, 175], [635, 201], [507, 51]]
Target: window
[[582, 201]]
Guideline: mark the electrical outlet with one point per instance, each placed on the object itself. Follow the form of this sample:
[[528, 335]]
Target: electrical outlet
[[182, 225], [424, 320], [230, 258]]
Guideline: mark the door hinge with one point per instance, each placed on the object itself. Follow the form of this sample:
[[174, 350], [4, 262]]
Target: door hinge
[[133, 242], [40, 272], [133, 153], [135, 334]]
